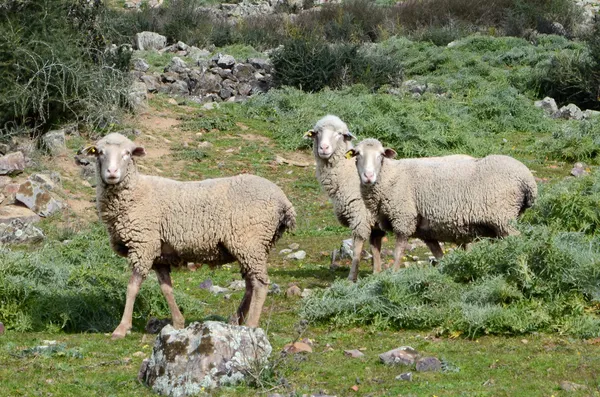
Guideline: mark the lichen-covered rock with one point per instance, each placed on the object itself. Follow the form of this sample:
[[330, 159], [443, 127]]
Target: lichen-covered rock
[[12, 163], [38, 199], [404, 355], [243, 72], [140, 65], [224, 61], [428, 364], [152, 82], [177, 65], [548, 105], [137, 95], [48, 181], [19, 232], [150, 41], [55, 142], [570, 112], [10, 213], [204, 356]]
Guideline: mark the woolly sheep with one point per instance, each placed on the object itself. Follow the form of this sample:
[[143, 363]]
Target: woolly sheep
[[454, 201], [337, 176], [158, 223]]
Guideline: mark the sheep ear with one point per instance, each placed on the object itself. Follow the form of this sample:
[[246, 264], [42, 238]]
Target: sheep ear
[[348, 136], [309, 134], [389, 153], [138, 151], [89, 150], [351, 153]]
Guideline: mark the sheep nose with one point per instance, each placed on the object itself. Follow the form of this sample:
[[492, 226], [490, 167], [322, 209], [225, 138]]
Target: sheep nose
[[324, 146], [369, 174], [112, 171]]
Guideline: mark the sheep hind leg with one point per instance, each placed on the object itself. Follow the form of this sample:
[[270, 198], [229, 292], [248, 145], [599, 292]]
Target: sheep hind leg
[[164, 279], [401, 243], [133, 287], [258, 295], [375, 241], [434, 247], [357, 246], [242, 311]]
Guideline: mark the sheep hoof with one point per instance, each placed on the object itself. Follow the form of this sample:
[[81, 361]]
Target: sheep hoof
[[117, 336], [120, 333]]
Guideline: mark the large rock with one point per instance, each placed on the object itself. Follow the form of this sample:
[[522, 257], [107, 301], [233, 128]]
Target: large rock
[[224, 61], [48, 181], [38, 199], [570, 112], [203, 356], [152, 82], [243, 72], [150, 41], [138, 95], [19, 232], [140, 65], [198, 54], [260, 64], [12, 163], [177, 65], [10, 213], [55, 142], [548, 105], [404, 355]]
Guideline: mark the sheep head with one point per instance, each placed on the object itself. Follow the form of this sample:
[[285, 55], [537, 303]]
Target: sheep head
[[114, 155], [369, 155], [327, 135]]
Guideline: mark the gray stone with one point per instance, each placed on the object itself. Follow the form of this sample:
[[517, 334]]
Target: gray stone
[[260, 86], [10, 213], [206, 284], [306, 292], [223, 73], [154, 325], [261, 64], [19, 232], [428, 364], [275, 289], [588, 114], [177, 65], [198, 54], [405, 376], [294, 246], [138, 95], [45, 180], [150, 41], [152, 82], [55, 142], [353, 353], [215, 289], [226, 93], [204, 356], [10, 191], [179, 87], [414, 87], [237, 285], [4, 148], [570, 112], [140, 65], [571, 386], [558, 29], [38, 199], [181, 46], [579, 169], [169, 77], [404, 355], [298, 255], [88, 172], [209, 83], [243, 72], [224, 61], [294, 290], [244, 89], [210, 106], [285, 251], [548, 105], [12, 163]]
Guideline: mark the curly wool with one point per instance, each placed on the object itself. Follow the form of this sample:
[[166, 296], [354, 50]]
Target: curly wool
[[451, 201]]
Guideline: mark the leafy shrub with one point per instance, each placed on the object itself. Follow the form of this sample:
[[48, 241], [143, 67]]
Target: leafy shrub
[[77, 285], [55, 67], [575, 141], [539, 281]]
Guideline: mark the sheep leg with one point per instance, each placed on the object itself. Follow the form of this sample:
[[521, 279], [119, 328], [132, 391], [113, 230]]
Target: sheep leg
[[133, 287], [401, 243], [164, 279], [434, 247], [242, 311], [375, 241], [257, 300], [357, 246]]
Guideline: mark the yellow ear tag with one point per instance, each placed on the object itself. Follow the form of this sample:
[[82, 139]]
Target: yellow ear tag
[[308, 134], [92, 150], [349, 155]]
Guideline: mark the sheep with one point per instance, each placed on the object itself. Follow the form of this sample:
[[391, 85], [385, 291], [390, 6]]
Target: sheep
[[454, 201], [337, 176], [159, 223]]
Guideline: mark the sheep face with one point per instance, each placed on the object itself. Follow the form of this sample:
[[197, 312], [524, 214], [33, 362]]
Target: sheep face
[[114, 154], [369, 155], [327, 135]]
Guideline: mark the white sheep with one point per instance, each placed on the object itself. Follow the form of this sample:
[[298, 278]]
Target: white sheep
[[158, 223], [337, 176], [454, 201]]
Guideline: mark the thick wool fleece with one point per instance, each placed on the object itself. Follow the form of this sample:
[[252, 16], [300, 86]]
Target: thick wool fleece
[[216, 221], [452, 201]]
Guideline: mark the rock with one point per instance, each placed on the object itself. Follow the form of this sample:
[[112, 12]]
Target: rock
[[570, 112], [405, 376], [10, 192], [88, 173], [244, 89], [34, 196], [4, 148], [588, 114], [428, 364], [571, 386], [404, 355], [224, 61], [179, 87], [353, 353], [243, 72], [205, 145], [181, 46], [154, 325], [208, 83], [4, 180], [275, 289], [294, 290], [152, 82], [169, 77], [177, 65], [204, 356], [10, 213], [215, 289], [197, 54], [226, 93], [260, 64], [414, 87], [579, 169], [44, 180], [19, 232], [294, 246], [206, 284], [558, 29], [285, 251], [140, 65], [548, 105], [145, 41], [297, 347], [12, 163], [210, 106], [137, 95], [237, 285], [306, 293], [298, 255], [54, 142]]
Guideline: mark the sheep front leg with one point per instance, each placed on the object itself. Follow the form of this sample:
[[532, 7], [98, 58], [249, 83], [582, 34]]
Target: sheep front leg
[[357, 246], [164, 279], [258, 295], [401, 243], [375, 241], [434, 247], [135, 281]]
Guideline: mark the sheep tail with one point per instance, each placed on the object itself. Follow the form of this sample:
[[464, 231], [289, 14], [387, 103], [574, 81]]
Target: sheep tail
[[529, 196], [287, 221]]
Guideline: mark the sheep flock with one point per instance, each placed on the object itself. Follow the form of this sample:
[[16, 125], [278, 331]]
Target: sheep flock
[[159, 223]]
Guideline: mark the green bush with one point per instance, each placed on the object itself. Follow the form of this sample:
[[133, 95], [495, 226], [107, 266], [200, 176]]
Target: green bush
[[75, 285], [54, 66], [540, 281]]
